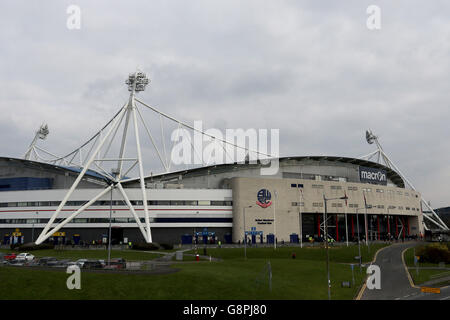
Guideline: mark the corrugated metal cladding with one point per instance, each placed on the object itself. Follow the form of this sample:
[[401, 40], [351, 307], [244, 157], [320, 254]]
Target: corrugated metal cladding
[[25, 183]]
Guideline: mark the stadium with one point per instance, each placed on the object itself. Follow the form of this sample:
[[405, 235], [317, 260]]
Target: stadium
[[64, 201], [185, 204]]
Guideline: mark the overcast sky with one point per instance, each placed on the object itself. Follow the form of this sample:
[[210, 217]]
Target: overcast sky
[[310, 68]]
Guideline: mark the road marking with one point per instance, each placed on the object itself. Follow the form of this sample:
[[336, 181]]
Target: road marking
[[411, 282], [446, 298], [363, 288]]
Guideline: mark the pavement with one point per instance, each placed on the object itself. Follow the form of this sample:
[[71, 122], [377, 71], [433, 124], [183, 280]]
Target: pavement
[[395, 280]]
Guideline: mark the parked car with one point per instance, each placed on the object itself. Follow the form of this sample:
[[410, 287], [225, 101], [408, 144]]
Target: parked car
[[63, 263], [92, 264], [10, 256], [80, 262], [47, 261], [118, 263], [24, 257]]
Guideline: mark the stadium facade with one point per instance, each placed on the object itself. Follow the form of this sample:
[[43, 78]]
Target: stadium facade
[[215, 203]]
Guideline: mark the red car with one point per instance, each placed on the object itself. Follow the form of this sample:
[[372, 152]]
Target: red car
[[9, 256]]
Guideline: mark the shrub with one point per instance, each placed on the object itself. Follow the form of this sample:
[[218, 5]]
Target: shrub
[[14, 246], [166, 246], [31, 246], [146, 246], [434, 253]]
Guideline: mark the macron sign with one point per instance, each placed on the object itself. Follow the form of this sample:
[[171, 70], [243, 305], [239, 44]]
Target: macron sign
[[371, 175]]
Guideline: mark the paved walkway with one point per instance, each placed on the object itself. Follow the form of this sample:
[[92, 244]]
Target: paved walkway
[[394, 280], [395, 284]]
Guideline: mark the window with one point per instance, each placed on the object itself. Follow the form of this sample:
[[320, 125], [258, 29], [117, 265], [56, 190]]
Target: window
[[221, 203], [317, 186], [317, 204], [204, 202], [380, 190], [353, 188], [298, 204], [336, 187]]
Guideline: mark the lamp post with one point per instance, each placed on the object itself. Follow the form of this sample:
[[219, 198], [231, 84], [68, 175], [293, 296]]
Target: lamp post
[[32, 230], [275, 195], [300, 222], [109, 231], [326, 240], [245, 235], [366, 206], [359, 243]]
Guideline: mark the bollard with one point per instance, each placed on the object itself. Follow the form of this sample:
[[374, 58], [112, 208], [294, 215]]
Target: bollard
[[197, 257]]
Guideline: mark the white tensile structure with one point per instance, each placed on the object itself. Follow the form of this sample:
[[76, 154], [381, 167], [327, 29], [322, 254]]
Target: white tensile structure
[[381, 156], [136, 82], [92, 156], [32, 149]]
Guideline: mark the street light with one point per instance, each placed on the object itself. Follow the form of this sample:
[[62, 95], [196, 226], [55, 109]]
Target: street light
[[275, 195], [32, 231], [326, 240], [245, 235], [359, 243], [109, 231]]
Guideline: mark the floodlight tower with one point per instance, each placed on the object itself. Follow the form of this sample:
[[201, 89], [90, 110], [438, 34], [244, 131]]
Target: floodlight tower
[[40, 134], [381, 155], [136, 82]]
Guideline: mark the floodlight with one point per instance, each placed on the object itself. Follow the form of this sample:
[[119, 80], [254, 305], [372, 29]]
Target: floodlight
[[137, 81], [370, 137], [43, 132]]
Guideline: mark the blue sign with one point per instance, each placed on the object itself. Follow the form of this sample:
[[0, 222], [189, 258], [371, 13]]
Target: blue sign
[[264, 198]]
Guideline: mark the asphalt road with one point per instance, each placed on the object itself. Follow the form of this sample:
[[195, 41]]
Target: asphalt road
[[394, 279]]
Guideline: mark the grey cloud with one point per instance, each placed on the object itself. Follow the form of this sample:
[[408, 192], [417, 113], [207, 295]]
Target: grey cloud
[[309, 68]]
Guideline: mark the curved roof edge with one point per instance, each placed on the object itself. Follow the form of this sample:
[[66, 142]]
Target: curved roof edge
[[391, 174], [43, 166]]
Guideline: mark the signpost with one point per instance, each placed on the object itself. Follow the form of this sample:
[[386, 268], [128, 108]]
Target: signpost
[[353, 275], [430, 290], [252, 232]]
